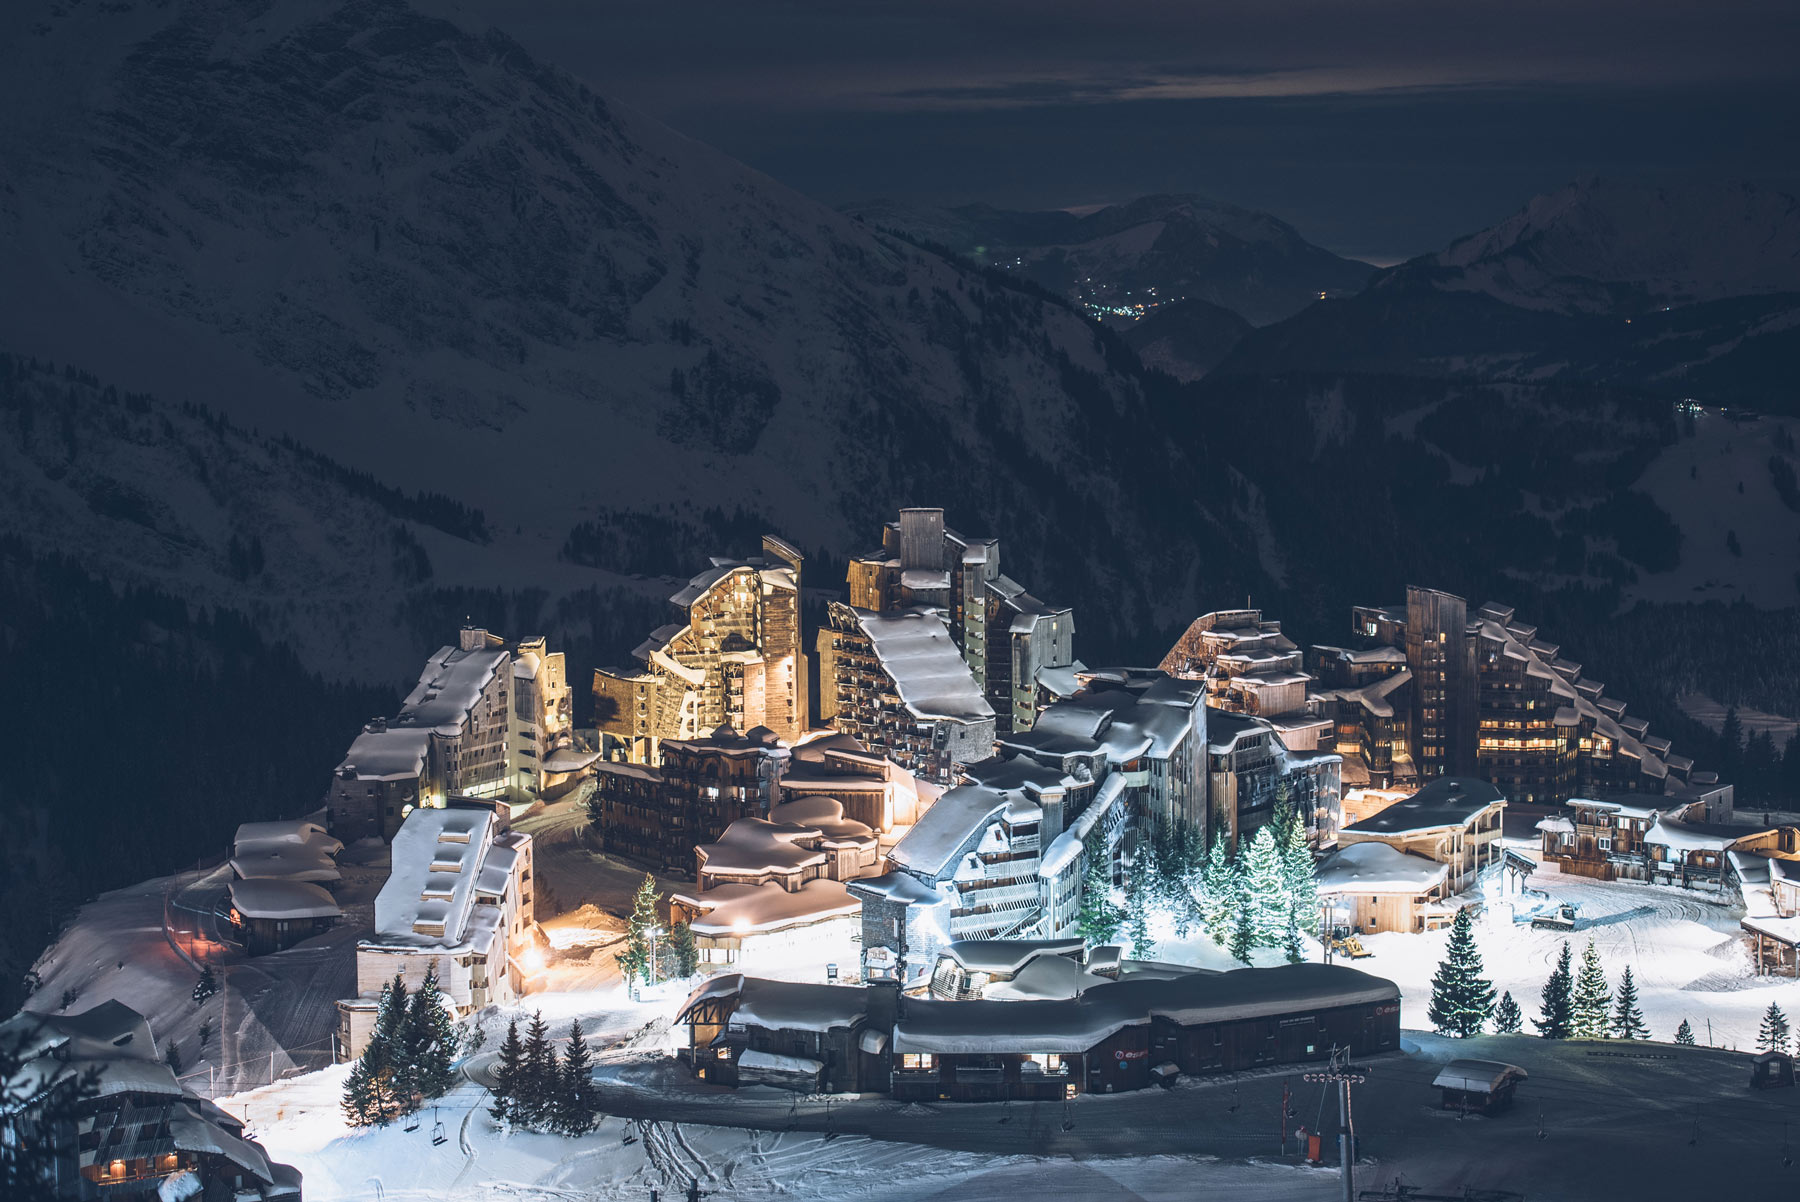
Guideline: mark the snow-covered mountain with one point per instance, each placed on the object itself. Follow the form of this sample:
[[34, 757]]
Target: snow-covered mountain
[[414, 248], [1156, 249], [1683, 292], [1608, 245]]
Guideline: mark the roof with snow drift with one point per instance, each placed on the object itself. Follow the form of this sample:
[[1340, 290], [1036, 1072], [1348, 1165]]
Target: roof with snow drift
[[278, 899], [1379, 868], [928, 671], [1447, 801], [1077, 1024]]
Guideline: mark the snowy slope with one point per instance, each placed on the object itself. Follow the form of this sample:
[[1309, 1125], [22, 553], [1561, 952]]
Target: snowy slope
[[428, 256]]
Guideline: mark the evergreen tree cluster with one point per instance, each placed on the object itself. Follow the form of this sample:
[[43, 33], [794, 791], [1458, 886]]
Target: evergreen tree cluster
[[1581, 1006], [410, 1054], [535, 1091], [635, 961]]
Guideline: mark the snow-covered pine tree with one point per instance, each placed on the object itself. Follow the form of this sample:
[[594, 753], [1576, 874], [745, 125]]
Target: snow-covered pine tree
[[1219, 893], [506, 1073], [1137, 921], [634, 961], [1099, 919], [1461, 998], [1290, 940], [172, 1057], [1684, 1034], [1627, 1020], [1189, 904], [684, 953], [1297, 872], [1772, 1036], [393, 1068], [1557, 1014], [370, 1098], [534, 1102], [1589, 1017], [432, 1041], [1507, 1019], [577, 1106], [1265, 891]]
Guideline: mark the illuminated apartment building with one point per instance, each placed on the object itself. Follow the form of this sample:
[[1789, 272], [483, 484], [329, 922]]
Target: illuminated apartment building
[[1443, 692], [733, 659], [481, 722], [1007, 637]]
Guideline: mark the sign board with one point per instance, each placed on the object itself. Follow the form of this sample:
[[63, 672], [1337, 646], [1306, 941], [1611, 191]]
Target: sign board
[[879, 957], [1132, 1054], [831, 972]]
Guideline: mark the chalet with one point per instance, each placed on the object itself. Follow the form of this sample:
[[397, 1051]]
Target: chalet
[[1453, 820], [1374, 887], [1114, 1036], [748, 1031], [140, 1134], [269, 915], [778, 881], [873, 790], [1666, 842]]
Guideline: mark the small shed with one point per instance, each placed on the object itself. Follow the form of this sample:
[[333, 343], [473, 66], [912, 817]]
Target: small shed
[[1771, 1070], [1484, 1086]]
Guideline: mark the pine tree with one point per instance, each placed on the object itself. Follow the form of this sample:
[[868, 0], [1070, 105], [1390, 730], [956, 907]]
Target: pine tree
[[576, 1103], [683, 951], [1591, 997], [1507, 1019], [431, 1038], [1772, 1036], [1628, 1021], [1461, 998], [1243, 928], [634, 961], [1219, 894], [1297, 872], [362, 1097], [1557, 1012], [534, 1102], [1684, 1034], [393, 1064], [172, 1057], [1731, 744], [1137, 923], [507, 1071], [1265, 891], [1290, 940], [1099, 919]]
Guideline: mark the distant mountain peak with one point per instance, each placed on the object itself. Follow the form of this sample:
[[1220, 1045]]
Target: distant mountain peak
[[1601, 244]]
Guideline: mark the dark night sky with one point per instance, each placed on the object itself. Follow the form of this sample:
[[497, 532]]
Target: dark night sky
[[1381, 128]]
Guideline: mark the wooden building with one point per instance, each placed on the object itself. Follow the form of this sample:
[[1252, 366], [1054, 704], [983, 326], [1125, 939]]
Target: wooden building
[[1453, 820], [270, 915], [1115, 1036], [1482, 1086]]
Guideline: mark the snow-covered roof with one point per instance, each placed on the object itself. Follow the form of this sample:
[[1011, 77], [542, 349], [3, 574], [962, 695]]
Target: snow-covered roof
[[941, 832], [190, 1133], [737, 910], [1681, 836], [1045, 977], [569, 759], [825, 814], [1379, 868], [278, 861], [1008, 955], [784, 1005], [451, 684], [1448, 801], [270, 898], [900, 887], [756, 846], [752, 1060], [394, 753], [1556, 826], [915, 650], [1077, 1024], [299, 831], [429, 898], [1477, 1076]]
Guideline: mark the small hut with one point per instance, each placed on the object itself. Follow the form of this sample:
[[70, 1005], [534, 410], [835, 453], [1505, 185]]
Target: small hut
[[1484, 1086], [1771, 1070]]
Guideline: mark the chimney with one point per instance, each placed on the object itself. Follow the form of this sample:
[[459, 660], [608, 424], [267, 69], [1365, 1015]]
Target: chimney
[[474, 638]]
